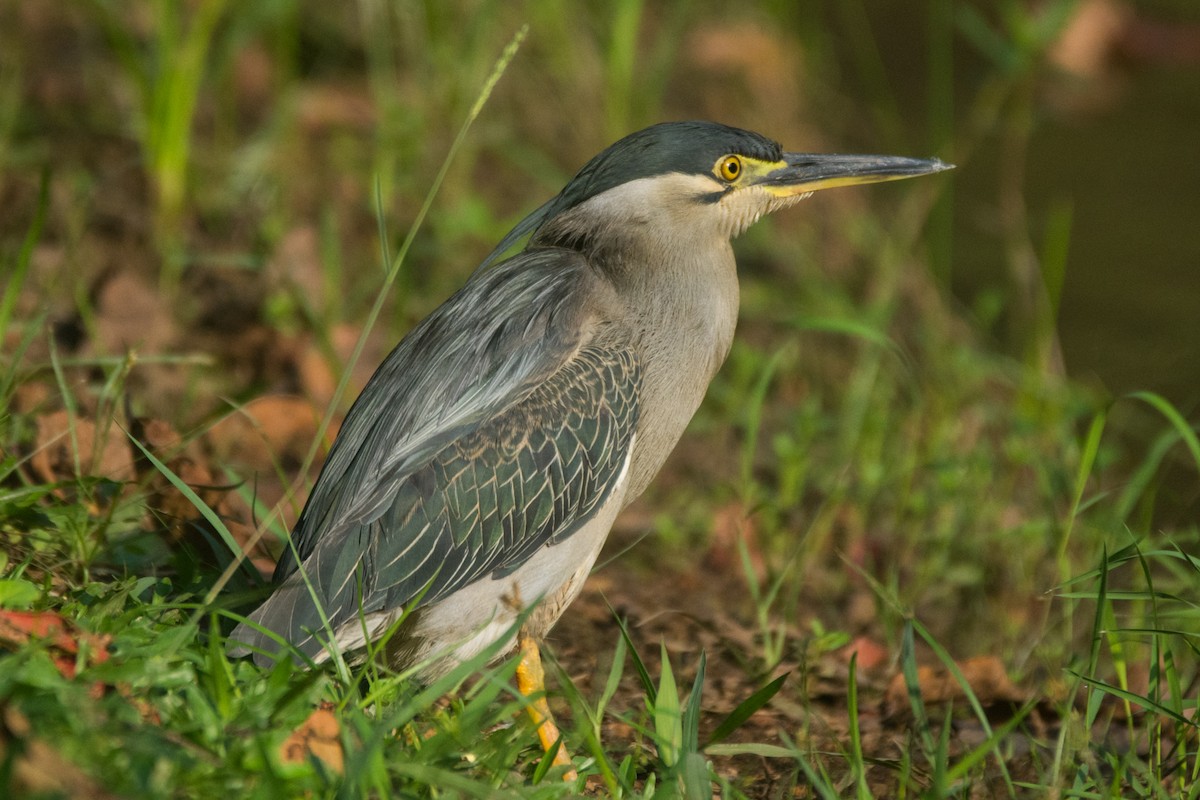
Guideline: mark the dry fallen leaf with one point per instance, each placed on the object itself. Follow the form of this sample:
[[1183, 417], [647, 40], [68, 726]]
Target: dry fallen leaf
[[131, 313], [296, 265], [263, 442], [167, 505], [18, 628], [985, 675], [322, 106], [769, 64], [62, 443], [270, 430], [871, 654], [316, 376], [319, 737]]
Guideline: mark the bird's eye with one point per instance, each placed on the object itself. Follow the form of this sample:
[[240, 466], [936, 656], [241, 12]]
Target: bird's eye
[[730, 168]]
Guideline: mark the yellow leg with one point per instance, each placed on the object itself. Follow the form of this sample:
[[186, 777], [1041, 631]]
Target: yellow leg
[[531, 682]]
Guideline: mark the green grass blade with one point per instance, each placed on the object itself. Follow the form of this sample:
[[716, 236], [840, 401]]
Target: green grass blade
[[864, 330], [1136, 699], [908, 665], [1181, 426], [205, 510], [613, 777], [980, 714], [745, 710], [694, 773], [990, 746], [638, 665], [754, 408], [1087, 461], [857, 765], [8, 383], [751, 749], [614, 676], [668, 723], [691, 712], [818, 783]]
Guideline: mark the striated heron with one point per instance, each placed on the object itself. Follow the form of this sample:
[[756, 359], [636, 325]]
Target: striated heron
[[477, 475]]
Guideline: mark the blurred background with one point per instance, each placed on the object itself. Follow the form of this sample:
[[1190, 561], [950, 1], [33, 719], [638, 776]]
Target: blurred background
[[951, 400], [180, 138]]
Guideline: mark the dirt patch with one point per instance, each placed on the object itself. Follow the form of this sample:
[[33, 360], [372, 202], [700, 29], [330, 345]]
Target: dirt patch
[[708, 611]]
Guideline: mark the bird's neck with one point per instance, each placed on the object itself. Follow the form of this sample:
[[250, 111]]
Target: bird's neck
[[677, 289], [681, 308]]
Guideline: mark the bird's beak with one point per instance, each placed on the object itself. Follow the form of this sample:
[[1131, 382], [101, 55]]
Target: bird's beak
[[803, 173]]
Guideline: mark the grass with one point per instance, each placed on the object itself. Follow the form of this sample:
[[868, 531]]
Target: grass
[[887, 473]]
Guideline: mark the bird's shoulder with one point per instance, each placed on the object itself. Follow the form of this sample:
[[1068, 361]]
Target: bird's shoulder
[[482, 351]]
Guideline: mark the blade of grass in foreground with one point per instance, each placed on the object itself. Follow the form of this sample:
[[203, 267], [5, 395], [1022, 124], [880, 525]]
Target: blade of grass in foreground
[[1133, 698], [981, 715], [745, 710], [668, 723], [592, 732], [639, 665], [857, 765]]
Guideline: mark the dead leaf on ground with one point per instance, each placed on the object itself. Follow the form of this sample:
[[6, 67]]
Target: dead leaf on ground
[[130, 313], [172, 507], [871, 654], [255, 78], [167, 505], [763, 62], [62, 443], [317, 380], [265, 442], [19, 628], [985, 675], [296, 265], [266, 432], [1161, 42], [30, 396], [319, 736]]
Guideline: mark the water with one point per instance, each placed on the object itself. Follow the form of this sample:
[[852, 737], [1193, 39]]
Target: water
[[1129, 170], [1130, 311]]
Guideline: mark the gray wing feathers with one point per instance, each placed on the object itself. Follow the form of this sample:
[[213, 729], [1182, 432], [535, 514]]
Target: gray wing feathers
[[523, 451], [526, 478], [505, 329]]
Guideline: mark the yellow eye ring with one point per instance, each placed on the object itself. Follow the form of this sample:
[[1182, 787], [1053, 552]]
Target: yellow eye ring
[[730, 168]]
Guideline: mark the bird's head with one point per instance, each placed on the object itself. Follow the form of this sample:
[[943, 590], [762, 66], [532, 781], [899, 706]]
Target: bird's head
[[677, 180]]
